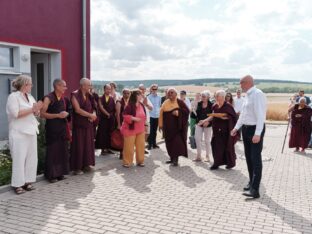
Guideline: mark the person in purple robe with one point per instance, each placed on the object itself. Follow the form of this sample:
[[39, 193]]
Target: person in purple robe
[[300, 126], [120, 107], [107, 121], [222, 143], [96, 101], [84, 114], [56, 110], [173, 121]]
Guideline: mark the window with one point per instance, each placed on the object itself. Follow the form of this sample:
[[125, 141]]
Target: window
[[6, 57]]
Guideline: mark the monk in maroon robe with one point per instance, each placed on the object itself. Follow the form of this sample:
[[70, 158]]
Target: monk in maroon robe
[[84, 114], [107, 121], [173, 120], [96, 101], [222, 143], [120, 107], [300, 126], [56, 110]]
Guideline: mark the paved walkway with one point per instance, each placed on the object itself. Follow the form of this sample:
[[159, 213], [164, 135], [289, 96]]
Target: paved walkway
[[164, 199]]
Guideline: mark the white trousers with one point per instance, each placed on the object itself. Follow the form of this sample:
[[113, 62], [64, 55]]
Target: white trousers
[[23, 148], [199, 132]]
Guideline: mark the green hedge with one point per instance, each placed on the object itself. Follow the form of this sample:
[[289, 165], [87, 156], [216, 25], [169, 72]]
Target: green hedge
[[6, 160]]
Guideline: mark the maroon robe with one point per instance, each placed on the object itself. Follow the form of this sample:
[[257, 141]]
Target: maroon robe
[[57, 146], [300, 127], [106, 125], [175, 131], [122, 108], [96, 98], [222, 143], [82, 147]]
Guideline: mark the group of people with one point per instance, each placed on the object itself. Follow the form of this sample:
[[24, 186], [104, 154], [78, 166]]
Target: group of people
[[85, 122]]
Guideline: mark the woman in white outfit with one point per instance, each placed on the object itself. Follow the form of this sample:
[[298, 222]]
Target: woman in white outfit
[[204, 107], [22, 110]]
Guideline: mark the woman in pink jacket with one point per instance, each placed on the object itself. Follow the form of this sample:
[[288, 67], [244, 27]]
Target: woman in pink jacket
[[133, 130]]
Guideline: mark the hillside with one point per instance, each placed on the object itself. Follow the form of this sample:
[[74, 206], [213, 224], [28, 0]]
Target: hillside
[[268, 86]]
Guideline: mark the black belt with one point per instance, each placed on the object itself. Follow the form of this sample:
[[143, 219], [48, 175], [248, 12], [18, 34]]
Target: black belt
[[249, 126]]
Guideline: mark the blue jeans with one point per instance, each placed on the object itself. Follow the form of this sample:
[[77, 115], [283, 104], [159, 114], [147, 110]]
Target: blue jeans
[[253, 155]]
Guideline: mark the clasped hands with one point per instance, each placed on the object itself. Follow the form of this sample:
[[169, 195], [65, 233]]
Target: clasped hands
[[37, 107]]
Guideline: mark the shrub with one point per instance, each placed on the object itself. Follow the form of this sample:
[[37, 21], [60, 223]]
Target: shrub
[[5, 166]]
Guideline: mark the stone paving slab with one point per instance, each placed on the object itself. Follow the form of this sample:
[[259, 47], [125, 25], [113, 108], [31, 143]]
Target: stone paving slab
[[164, 199]]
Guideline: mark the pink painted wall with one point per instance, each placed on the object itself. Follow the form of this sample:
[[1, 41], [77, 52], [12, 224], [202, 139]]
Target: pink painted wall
[[49, 23]]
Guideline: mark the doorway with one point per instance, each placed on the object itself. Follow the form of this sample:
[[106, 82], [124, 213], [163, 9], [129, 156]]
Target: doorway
[[41, 74]]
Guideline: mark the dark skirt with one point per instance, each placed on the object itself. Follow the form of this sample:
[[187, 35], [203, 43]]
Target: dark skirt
[[103, 134], [223, 151], [82, 148], [57, 159], [299, 137]]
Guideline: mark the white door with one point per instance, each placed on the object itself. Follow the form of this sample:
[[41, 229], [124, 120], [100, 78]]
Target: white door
[[41, 75]]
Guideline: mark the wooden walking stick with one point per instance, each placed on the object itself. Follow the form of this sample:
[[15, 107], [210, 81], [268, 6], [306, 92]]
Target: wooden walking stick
[[285, 135]]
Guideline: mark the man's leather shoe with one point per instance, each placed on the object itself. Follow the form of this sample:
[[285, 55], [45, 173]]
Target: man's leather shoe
[[252, 193], [168, 162], [247, 188]]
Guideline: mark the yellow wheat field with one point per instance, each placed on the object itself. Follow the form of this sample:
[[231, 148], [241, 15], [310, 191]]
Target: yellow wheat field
[[277, 111]]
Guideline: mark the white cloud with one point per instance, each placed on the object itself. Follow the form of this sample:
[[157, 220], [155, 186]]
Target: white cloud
[[174, 39]]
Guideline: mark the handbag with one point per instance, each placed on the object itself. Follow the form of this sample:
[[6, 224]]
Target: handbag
[[117, 140], [192, 142]]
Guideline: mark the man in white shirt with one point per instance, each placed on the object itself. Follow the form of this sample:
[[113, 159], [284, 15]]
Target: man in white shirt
[[148, 107], [185, 99], [238, 105], [238, 102], [252, 121]]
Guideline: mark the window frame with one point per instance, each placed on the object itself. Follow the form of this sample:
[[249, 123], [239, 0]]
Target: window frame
[[11, 54]]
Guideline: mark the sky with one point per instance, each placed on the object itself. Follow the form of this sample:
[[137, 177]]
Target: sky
[[189, 39]]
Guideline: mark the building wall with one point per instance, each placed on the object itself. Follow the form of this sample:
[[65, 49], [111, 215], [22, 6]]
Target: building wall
[[53, 24]]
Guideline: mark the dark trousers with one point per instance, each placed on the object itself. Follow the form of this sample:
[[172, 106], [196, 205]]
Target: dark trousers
[[253, 155], [153, 131]]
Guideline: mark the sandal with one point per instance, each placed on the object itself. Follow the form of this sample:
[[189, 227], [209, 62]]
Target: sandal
[[28, 187], [19, 190], [126, 165]]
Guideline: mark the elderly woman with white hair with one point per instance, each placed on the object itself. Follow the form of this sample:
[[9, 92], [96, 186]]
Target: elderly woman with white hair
[[223, 121], [300, 125], [22, 110], [173, 120], [204, 107]]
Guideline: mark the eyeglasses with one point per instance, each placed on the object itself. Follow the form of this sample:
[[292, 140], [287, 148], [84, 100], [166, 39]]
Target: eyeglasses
[[154, 89]]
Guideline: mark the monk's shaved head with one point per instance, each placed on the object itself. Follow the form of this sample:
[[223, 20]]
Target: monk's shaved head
[[85, 81]]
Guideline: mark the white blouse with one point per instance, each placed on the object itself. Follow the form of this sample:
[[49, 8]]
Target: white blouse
[[27, 124]]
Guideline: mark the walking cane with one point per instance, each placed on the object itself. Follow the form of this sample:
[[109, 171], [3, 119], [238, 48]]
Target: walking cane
[[285, 135]]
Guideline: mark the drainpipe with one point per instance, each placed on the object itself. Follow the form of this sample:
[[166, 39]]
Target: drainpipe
[[84, 38]]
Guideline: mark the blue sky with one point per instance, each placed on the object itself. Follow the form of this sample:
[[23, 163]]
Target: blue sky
[[187, 39]]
